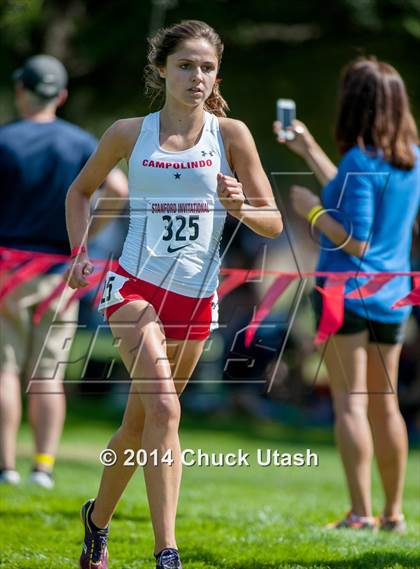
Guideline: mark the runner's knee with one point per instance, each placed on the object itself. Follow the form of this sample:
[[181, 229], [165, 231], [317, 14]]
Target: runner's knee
[[163, 410]]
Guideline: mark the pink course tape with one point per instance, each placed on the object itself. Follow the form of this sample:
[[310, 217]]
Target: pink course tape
[[272, 295], [17, 266]]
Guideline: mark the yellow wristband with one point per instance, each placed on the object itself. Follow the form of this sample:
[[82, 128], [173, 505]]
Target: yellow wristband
[[44, 459], [315, 212]]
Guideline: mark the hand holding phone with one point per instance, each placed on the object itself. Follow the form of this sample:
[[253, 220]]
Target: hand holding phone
[[286, 114]]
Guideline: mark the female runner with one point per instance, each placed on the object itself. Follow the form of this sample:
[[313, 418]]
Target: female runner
[[160, 302]]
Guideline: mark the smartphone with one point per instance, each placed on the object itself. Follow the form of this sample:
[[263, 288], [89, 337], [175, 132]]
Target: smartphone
[[286, 114]]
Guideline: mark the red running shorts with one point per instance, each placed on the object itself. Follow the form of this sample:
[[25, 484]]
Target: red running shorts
[[182, 317]]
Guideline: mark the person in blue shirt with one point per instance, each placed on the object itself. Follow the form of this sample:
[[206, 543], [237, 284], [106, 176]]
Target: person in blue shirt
[[366, 216], [40, 156]]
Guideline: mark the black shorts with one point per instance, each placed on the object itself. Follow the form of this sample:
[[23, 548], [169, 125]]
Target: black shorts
[[379, 332]]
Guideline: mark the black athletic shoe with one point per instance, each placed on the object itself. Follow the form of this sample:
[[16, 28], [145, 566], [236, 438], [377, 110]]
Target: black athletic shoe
[[168, 558], [95, 552]]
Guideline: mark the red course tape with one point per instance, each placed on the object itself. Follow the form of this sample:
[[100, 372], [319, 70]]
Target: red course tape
[[18, 266]]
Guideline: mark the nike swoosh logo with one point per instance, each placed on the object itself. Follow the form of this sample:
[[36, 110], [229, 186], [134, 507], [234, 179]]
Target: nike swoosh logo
[[170, 250]]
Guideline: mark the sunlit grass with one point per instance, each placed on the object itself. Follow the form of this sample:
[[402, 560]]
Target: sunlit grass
[[229, 518]]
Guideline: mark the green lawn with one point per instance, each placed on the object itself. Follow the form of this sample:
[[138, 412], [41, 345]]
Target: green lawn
[[229, 518]]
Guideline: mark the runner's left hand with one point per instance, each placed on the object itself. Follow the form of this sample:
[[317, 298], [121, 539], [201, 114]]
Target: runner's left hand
[[230, 194]]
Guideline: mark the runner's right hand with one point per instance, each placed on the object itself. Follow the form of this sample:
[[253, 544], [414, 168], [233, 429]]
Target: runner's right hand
[[78, 271]]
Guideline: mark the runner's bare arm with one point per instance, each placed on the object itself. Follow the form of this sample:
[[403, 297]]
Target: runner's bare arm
[[260, 213], [116, 144]]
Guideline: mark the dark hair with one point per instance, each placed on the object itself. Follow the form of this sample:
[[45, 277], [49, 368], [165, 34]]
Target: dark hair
[[164, 43], [374, 110]]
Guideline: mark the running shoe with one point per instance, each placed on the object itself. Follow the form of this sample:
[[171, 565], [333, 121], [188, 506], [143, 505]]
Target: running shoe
[[353, 521], [95, 552], [43, 479], [168, 558], [393, 523], [9, 476]]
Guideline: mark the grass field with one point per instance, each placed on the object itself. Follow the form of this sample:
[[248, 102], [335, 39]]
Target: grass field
[[229, 518]]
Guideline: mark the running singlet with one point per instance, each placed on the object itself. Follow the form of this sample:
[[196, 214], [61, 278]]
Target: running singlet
[[176, 218]]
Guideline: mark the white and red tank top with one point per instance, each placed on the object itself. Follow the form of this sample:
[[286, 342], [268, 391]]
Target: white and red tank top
[[176, 218]]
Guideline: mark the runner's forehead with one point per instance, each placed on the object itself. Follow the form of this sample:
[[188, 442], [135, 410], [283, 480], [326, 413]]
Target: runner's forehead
[[196, 51]]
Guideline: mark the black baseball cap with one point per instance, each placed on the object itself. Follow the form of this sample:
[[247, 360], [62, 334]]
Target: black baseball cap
[[45, 75]]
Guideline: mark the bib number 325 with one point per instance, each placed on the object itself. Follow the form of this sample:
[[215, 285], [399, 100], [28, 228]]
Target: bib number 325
[[181, 228]]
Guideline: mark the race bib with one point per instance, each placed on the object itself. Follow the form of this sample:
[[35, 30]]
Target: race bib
[[179, 227], [111, 294]]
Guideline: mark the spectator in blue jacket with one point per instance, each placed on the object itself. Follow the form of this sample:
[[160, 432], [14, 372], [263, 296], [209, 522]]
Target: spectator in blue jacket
[[365, 216]]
